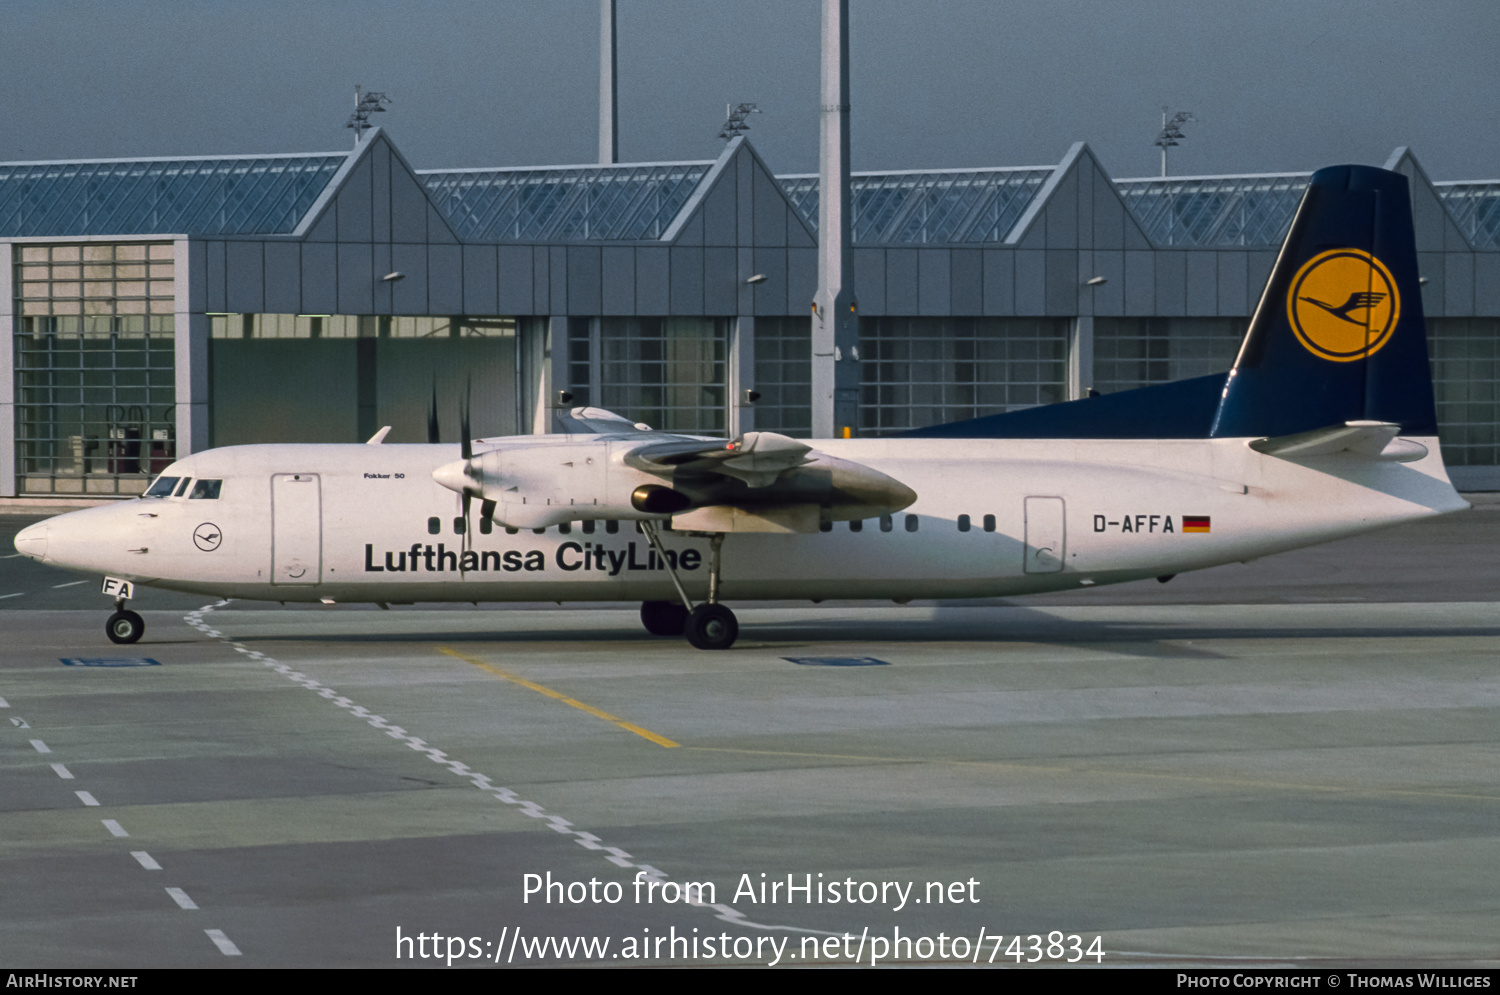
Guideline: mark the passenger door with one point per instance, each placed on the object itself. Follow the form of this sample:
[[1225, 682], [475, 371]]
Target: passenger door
[[296, 529], [1045, 535]]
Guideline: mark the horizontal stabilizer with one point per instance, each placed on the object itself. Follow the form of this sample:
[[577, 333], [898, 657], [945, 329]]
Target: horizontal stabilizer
[[1372, 440]]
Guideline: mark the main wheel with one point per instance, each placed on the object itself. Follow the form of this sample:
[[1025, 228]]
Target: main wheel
[[124, 627], [712, 627], [664, 618]]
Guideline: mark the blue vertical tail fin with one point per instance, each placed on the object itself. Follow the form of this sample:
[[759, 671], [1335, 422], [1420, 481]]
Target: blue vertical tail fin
[[1338, 335]]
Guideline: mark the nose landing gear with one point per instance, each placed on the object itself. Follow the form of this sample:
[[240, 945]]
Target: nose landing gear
[[124, 626], [708, 626]]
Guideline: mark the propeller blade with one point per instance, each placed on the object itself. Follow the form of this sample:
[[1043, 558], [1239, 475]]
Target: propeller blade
[[432, 419], [463, 422], [468, 530]]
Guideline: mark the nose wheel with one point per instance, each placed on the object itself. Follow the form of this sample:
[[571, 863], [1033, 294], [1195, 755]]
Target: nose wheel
[[124, 627]]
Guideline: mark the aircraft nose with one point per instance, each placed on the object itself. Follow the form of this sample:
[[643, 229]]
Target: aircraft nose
[[32, 541]]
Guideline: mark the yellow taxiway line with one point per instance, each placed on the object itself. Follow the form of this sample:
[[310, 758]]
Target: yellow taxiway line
[[543, 689]]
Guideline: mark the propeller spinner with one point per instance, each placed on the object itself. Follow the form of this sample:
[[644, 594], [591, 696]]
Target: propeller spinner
[[464, 474]]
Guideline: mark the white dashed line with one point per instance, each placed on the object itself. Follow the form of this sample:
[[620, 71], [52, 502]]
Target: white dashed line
[[181, 898], [557, 823], [71, 583], [145, 860], [87, 798], [225, 945], [16, 595], [115, 829], [63, 772], [40, 746], [4, 703]]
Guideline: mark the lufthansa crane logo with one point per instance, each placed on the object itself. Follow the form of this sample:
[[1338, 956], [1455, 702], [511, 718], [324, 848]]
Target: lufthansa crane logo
[[207, 537], [1343, 305]]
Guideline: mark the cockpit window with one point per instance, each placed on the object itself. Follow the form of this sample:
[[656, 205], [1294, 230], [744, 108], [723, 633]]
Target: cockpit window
[[208, 489], [163, 487], [182, 487]]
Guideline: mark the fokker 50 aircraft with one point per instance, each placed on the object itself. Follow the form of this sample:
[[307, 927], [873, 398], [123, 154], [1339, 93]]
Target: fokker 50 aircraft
[[1325, 427]]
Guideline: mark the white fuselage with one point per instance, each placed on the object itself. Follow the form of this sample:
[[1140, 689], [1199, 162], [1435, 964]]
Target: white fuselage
[[351, 523]]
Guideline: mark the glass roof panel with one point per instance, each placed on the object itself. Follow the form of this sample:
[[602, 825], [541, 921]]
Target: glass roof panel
[[247, 195], [1215, 210], [966, 205], [564, 204], [242, 195], [1476, 208]]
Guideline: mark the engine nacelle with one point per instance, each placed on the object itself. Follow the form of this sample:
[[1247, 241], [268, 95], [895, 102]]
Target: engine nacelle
[[534, 485], [654, 499]]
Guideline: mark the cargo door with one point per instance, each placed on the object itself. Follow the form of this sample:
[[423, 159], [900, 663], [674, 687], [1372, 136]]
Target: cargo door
[[296, 529], [1045, 536]]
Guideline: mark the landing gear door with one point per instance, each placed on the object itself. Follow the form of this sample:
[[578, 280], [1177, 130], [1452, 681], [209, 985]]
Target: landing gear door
[[1045, 535], [296, 529]]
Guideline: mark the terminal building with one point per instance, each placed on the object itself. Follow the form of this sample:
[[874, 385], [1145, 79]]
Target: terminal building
[[156, 307]]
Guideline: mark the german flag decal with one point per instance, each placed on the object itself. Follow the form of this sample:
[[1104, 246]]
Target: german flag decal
[[1195, 523]]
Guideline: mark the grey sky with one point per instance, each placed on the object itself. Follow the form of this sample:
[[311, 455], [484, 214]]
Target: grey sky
[[1277, 85]]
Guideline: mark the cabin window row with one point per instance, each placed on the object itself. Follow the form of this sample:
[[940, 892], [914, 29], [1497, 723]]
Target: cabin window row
[[486, 526], [887, 523]]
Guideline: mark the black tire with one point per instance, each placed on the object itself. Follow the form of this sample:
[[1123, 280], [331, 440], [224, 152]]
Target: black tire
[[124, 627], [712, 627], [664, 618]]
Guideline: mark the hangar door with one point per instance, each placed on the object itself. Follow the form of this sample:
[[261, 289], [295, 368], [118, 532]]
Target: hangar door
[[339, 378], [296, 529]]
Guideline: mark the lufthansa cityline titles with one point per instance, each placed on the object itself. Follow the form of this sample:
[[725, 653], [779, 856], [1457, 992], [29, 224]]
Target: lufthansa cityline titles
[[569, 556]]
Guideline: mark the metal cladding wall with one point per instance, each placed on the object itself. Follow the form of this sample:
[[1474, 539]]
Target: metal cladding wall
[[377, 219]]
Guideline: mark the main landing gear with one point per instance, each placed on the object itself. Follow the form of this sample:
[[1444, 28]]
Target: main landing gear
[[664, 618], [708, 626], [711, 626]]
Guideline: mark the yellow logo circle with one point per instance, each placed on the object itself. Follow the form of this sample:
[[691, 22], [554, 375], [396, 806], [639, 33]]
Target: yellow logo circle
[[1343, 305]]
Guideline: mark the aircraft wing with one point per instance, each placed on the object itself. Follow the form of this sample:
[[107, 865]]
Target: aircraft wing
[[598, 421], [757, 458], [759, 482], [609, 467]]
